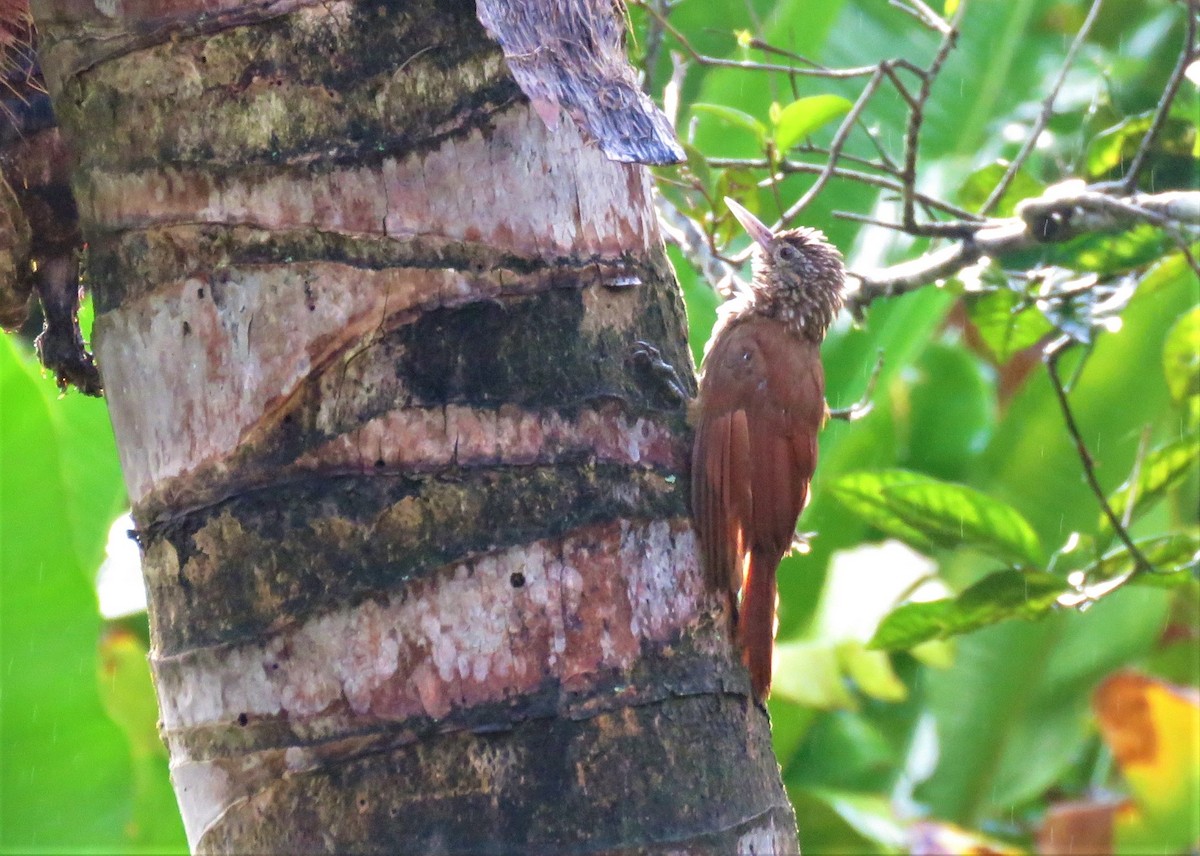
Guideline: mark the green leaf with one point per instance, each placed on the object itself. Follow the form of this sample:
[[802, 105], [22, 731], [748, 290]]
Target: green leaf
[[1111, 149], [1171, 555], [925, 512], [128, 695], [1161, 471], [997, 597], [863, 494], [734, 117], [871, 816], [808, 672], [742, 185], [66, 775], [872, 672], [697, 165], [979, 185], [1006, 323], [805, 115], [951, 410], [1181, 356]]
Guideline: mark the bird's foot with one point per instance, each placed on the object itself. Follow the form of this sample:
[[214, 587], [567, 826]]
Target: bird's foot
[[864, 405], [648, 357], [802, 542]]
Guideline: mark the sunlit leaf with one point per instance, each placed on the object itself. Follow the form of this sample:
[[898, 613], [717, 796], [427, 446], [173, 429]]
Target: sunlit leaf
[[1006, 323], [955, 515], [979, 185], [734, 117], [1181, 356], [999, 596], [863, 493], [925, 511], [805, 115], [1111, 150], [1161, 471], [1153, 730], [1109, 255]]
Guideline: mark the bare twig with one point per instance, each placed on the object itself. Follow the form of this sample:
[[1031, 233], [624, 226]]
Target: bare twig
[[841, 172], [916, 117], [922, 13], [685, 234], [1039, 124], [747, 65], [1189, 54], [1052, 355], [835, 148]]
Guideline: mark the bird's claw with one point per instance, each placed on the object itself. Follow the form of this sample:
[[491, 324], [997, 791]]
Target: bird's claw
[[864, 405], [802, 543], [649, 357]]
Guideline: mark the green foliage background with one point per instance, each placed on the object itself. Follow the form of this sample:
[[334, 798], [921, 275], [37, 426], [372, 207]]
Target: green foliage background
[[983, 731]]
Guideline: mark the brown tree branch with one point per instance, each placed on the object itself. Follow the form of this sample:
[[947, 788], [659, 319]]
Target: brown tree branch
[[1053, 353], [1053, 217]]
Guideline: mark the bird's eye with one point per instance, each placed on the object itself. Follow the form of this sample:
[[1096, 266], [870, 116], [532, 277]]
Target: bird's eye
[[787, 253]]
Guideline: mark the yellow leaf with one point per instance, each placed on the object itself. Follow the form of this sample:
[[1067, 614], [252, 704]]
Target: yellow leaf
[[1153, 729]]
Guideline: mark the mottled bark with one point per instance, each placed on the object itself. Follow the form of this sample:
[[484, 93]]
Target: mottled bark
[[421, 572]]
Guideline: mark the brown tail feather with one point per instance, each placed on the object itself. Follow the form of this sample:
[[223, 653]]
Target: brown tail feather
[[756, 621]]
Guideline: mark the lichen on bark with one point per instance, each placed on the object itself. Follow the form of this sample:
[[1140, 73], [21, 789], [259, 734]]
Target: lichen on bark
[[421, 572]]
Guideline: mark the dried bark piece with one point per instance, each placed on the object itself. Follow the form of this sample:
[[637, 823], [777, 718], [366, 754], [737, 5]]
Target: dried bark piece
[[570, 54]]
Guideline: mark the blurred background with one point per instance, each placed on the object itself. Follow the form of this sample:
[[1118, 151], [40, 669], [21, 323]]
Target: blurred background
[[970, 659]]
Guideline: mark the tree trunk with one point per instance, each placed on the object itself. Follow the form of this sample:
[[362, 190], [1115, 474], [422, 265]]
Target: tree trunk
[[416, 536]]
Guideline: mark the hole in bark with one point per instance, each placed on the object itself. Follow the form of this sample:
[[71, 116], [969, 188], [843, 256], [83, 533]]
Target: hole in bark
[[380, 464], [199, 293], [243, 719], [517, 580], [187, 328]]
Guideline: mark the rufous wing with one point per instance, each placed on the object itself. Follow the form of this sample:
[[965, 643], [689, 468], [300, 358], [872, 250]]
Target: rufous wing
[[760, 406]]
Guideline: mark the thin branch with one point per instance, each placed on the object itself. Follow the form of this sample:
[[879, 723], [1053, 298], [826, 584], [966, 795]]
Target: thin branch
[[916, 117], [1053, 353], [747, 65], [1054, 217], [954, 229], [1187, 56], [1039, 124], [922, 13], [835, 148], [682, 231]]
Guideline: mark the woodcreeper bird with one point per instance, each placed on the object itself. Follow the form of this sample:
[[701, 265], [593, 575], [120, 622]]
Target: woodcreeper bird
[[760, 406]]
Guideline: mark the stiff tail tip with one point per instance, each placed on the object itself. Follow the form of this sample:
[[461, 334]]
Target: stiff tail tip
[[756, 624]]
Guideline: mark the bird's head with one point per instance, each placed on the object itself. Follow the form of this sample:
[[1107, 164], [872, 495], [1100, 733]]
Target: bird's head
[[798, 275]]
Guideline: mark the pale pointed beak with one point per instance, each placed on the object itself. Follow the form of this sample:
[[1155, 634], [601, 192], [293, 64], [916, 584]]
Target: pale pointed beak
[[753, 226]]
